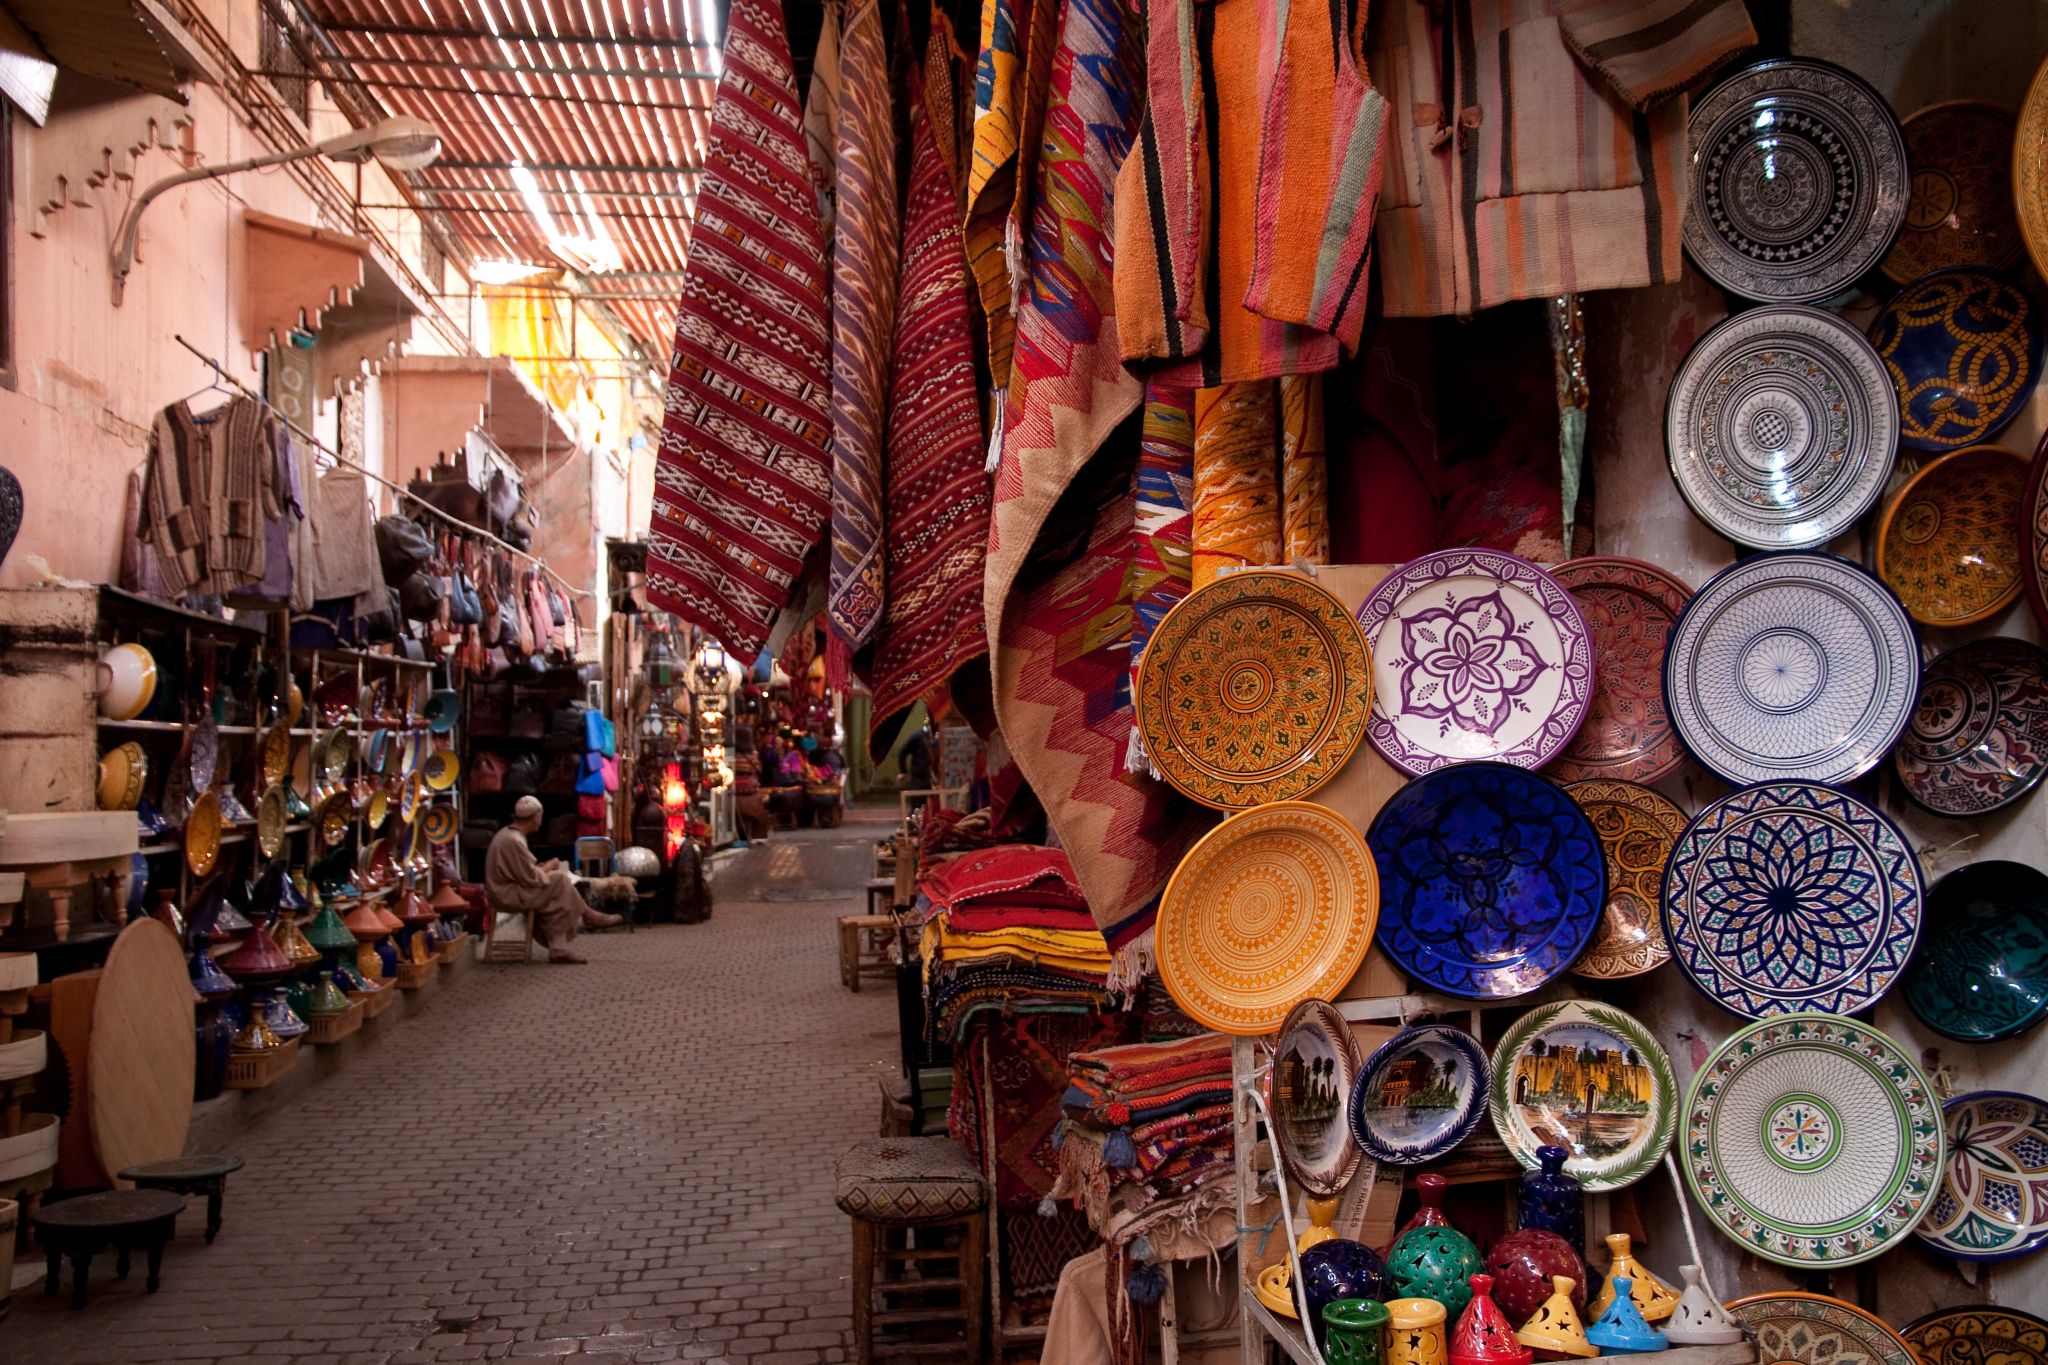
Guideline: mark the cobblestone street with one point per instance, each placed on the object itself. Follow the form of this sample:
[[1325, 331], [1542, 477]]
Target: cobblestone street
[[629, 1160]]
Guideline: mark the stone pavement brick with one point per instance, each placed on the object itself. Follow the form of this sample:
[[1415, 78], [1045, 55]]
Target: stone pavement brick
[[631, 1161]]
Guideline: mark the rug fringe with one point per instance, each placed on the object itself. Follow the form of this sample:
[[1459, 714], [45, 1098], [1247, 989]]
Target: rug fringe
[[998, 403], [1130, 965]]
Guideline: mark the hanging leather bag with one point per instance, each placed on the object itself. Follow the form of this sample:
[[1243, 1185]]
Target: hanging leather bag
[[403, 547]]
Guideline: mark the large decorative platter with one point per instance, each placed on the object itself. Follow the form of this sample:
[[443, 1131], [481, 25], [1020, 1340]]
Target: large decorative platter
[[1630, 607], [1419, 1094], [1314, 1061], [1791, 666], [1963, 349], [1993, 1203], [2034, 535], [1792, 896], [1793, 1328], [1255, 688], [1274, 906], [1799, 181], [1492, 880], [1981, 972], [1590, 1079], [1637, 826], [1978, 737], [1781, 427], [1960, 209], [1945, 544], [1476, 654], [2030, 169], [1813, 1140], [1979, 1334]]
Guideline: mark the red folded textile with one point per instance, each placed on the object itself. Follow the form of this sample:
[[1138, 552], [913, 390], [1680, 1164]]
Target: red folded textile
[[982, 918], [1012, 874]]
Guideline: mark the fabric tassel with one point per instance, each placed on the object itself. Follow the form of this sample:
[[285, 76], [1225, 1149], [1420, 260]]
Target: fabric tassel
[[1059, 1135], [1141, 1248], [1048, 1207], [1147, 1284], [997, 402], [1119, 1151], [1129, 966]]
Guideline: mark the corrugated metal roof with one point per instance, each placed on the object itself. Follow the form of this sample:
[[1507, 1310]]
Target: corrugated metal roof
[[103, 38]]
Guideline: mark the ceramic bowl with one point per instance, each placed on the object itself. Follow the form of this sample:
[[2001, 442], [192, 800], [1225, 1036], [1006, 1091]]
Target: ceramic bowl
[[442, 770], [1978, 737], [443, 709], [127, 681], [1961, 209], [1963, 349], [1980, 972], [124, 769], [439, 822], [1945, 544], [1993, 1203]]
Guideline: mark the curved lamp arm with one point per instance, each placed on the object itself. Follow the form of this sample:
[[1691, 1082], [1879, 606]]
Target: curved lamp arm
[[123, 257]]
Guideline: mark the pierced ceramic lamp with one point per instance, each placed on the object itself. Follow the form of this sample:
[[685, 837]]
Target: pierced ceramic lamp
[[1415, 1332], [1523, 1265], [1435, 1263], [1698, 1320], [291, 941], [326, 997], [1483, 1335], [1654, 1298], [1354, 1331], [1621, 1327], [1555, 1332]]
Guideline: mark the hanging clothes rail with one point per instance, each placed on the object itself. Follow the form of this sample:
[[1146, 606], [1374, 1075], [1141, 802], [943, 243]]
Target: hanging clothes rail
[[397, 489]]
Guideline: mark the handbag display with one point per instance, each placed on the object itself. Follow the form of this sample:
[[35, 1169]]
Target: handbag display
[[486, 773], [403, 547]]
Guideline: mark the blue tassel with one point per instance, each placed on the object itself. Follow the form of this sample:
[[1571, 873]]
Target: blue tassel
[[1141, 1248], [1119, 1151], [1048, 1207], [1059, 1134], [1146, 1285]]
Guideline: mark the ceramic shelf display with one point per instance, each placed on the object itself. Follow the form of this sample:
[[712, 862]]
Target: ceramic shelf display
[[258, 966], [212, 1033], [1621, 1327], [1415, 1332], [1435, 1263], [1351, 1331], [1655, 1299], [1483, 1335], [1554, 1331], [1551, 1200], [1699, 1320], [1339, 1268], [330, 934]]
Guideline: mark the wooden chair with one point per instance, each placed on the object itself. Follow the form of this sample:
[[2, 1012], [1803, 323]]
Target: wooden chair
[[920, 1242], [864, 944]]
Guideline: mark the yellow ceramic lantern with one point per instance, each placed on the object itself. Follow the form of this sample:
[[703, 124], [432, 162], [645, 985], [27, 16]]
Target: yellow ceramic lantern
[[1321, 1214], [1555, 1330], [1415, 1332], [368, 964], [1655, 1299]]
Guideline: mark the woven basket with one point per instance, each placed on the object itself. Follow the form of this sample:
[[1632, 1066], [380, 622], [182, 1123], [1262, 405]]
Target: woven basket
[[413, 975], [254, 1070], [452, 949], [374, 1002], [332, 1028]]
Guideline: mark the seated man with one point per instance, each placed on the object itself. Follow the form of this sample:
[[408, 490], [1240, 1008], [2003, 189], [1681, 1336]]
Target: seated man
[[544, 892]]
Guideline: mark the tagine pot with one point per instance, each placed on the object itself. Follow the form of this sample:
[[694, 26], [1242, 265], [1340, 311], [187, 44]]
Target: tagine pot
[[258, 960], [364, 924], [1554, 1331], [1698, 1320], [208, 979], [1524, 1263], [1434, 1263], [1352, 1331], [1483, 1335], [1655, 1299], [1621, 1328]]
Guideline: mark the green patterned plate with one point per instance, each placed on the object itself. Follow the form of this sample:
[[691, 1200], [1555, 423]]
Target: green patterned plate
[[1591, 1080]]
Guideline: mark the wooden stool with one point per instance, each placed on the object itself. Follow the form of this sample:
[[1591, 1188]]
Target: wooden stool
[[512, 950], [864, 948], [207, 1175], [123, 1219], [920, 1239], [881, 894]]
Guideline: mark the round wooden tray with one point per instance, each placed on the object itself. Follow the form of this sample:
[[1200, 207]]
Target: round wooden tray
[[139, 1075]]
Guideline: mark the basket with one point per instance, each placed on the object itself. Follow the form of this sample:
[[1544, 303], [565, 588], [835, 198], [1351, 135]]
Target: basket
[[413, 975], [453, 949], [374, 1002], [332, 1028], [254, 1070]]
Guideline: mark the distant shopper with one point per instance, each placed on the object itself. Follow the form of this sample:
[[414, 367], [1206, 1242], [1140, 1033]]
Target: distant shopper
[[917, 759], [544, 892]]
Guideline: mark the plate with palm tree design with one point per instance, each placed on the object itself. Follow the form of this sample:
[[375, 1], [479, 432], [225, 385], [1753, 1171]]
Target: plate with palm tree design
[[1590, 1079], [1419, 1094]]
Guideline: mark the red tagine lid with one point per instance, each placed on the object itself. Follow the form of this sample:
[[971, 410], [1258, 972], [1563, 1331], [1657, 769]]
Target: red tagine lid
[[1484, 1336]]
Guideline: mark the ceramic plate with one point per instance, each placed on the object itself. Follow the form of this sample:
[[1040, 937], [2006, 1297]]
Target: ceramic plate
[[1799, 181], [1960, 209], [410, 794], [1791, 666], [1419, 1094], [1637, 827], [1254, 688], [1274, 906], [1993, 1203], [1629, 607], [277, 753], [1314, 1061], [1475, 655], [1491, 880], [1590, 1079], [335, 752], [1792, 1328], [1781, 427], [1981, 973], [1963, 349], [334, 817], [1978, 738], [1813, 1140], [1979, 1334], [2034, 535], [1945, 544], [439, 824], [441, 769], [124, 771], [1792, 896], [2030, 169], [271, 819], [442, 711], [202, 834]]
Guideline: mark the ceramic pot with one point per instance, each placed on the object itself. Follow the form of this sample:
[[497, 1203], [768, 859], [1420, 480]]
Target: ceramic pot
[[1524, 1263], [364, 924], [1699, 1320], [1621, 1328], [1434, 1263], [229, 925], [1352, 1332], [1551, 1200], [255, 1035], [1483, 1335], [369, 962], [329, 933], [392, 924], [1655, 1299], [1554, 1331], [208, 979], [326, 997], [257, 959], [1415, 1332], [279, 1017], [291, 941], [1341, 1269], [1429, 1211], [215, 1038], [1321, 1214], [127, 681]]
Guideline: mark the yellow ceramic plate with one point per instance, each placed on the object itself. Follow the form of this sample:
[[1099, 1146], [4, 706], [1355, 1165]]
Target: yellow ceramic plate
[[410, 794], [2030, 169], [1960, 211], [277, 753], [334, 755], [202, 833], [271, 819], [442, 769], [124, 769], [1945, 543], [1255, 688], [376, 810], [1637, 826], [439, 823], [1272, 907]]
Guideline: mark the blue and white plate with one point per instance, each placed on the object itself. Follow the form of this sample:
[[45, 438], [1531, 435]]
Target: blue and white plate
[[1791, 667], [1491, 880], [1790, 897], [1419, 1095]]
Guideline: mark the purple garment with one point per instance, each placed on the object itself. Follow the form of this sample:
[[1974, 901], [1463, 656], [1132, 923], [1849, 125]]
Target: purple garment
[[276, 584]]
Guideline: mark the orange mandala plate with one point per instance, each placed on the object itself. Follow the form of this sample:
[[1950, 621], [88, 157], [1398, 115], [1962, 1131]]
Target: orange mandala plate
[[1274, 906], [1947, 543], [1637, 826], [2030, 169], [1255, 688]]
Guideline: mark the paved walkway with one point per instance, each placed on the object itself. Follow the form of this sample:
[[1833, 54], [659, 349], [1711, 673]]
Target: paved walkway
[[630, 1160]]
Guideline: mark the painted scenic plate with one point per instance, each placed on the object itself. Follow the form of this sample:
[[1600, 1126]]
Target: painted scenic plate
[[1978, 737], [1799, 181], [1314, 1061], [1959, 211], [1254, 688], [1274, 906], [1637, 826], [1491, 880], [1476, 654], [1979, 1334], [1419, 1094], [1590, 1079], [1981, 972], [1945, 544], [2034, 535], [1791, 666], [2030, 169], [1963, 349], [1792, 896], [1813, 1140], [1993, 1203], [1630, 607], [1794, 1328], [1781, 427]]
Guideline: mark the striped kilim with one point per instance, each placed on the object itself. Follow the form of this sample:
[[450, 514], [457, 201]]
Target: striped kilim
[[1304, 472], [742, 482], [864, 251], [938, 488], [1161, 560], [1018, 38], [1237, 479], [821, 118], [1162, 195]]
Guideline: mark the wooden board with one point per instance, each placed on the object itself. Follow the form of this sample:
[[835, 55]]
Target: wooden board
[[67, 836], [69, 1000], [139, 1090]]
